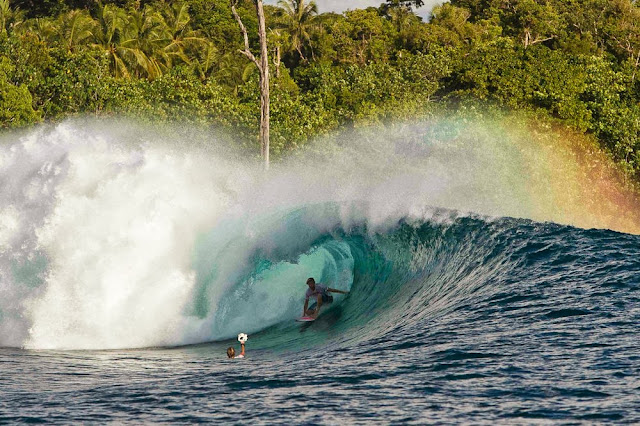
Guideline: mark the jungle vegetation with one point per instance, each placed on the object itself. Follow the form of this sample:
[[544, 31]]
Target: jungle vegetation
[[573, 63]]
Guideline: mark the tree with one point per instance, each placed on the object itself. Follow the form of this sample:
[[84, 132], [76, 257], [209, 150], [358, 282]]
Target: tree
[[181, 42], [15, 101], [624, 36], [9, 17], [130, 42], [42, 29], [537, 22], [278, 39], [142, 41], [38, 8], [364, 36], [404, 3], [263, 67], [106, 35], [300, 17], [73, 28]]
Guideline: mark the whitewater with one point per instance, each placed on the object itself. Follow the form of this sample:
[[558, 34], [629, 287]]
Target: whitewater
[[491, 277]]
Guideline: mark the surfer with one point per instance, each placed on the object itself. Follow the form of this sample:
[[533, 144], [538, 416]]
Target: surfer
[[231, 352], [321, 293]]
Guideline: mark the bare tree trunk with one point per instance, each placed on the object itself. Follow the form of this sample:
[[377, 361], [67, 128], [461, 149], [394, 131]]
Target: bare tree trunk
[[263, 67], [264, 84], [635, 68]]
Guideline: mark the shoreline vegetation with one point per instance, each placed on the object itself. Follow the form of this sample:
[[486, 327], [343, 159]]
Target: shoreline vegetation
[[566, 65]]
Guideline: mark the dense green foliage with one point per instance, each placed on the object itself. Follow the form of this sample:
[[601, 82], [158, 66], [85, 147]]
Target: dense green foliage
[[572, 61]]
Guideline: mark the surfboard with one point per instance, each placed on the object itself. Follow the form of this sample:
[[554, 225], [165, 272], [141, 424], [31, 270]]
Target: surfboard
[[305, 319]]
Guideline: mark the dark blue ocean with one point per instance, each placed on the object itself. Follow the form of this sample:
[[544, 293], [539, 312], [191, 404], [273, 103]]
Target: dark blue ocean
[[128, 267], [507, 321]]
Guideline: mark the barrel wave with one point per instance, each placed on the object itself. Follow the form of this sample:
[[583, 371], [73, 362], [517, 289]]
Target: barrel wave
[[116, 236], [422, 275]]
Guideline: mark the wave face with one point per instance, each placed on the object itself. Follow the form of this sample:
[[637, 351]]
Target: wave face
[[427, 278], [113, 236]]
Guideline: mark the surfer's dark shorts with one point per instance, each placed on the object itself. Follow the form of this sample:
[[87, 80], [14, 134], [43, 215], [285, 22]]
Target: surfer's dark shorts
[[327, 298]]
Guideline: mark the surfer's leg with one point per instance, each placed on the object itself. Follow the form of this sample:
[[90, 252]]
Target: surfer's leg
[[327, 298]]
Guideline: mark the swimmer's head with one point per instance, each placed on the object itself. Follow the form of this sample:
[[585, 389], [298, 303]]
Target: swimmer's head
[[231, 353]]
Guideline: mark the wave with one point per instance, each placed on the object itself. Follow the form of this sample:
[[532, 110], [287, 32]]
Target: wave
[[423, 273], [115, 236]]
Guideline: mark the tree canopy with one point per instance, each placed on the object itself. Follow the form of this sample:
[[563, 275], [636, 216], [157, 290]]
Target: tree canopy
[[570, 62]]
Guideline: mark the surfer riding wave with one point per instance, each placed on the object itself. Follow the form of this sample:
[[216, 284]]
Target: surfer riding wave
[[321, 293]]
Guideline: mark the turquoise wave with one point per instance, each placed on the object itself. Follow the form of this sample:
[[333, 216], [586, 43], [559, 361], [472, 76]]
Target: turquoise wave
[[410, 277], [400, 274]]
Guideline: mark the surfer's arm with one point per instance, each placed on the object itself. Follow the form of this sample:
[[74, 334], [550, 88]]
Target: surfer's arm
[[335, 290], [242, 351], [306, 305]]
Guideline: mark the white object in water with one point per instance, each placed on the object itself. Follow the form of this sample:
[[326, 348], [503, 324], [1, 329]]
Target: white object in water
[[242, 337]]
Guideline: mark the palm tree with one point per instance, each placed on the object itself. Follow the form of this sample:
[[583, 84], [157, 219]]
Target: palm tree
[[400, 17], [73, 28], [106, 37], [233, 71], [43, 29], [181, 43], [300, 18], [127, 41], [143, 37], [279, 39], [205, 59], [5, 13], [9, 18]]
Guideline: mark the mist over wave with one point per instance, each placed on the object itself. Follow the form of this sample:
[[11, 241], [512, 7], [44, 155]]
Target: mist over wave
[[114, 235]]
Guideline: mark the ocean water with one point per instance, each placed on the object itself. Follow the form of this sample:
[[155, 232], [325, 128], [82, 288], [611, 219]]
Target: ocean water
[[128, 266]]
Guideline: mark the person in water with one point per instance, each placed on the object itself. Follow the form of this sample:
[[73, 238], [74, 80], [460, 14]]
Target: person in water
[[321, 293], [231, 353]]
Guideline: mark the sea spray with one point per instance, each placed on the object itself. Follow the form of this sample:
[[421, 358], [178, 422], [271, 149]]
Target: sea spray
[[116, 221]]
